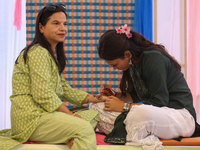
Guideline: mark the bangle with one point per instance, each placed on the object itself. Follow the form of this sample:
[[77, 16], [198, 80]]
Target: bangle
[[73, 114], [126, 107]]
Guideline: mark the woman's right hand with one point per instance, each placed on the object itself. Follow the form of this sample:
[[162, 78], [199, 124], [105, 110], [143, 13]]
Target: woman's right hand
[[74, 114], [114, 104]]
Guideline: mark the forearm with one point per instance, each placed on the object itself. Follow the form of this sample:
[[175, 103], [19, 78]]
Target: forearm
[[64, 109], [94, 99], [120, 108]]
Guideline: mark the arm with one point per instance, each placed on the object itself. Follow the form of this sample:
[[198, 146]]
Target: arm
[[40, 67], [115, 104], [79, 97], [64, 109], [72, 95], [95, 99], [41, 86], [105, 92], [154, 68]]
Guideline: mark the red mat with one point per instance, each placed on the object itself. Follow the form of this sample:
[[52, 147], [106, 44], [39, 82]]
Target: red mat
[[195, 141]]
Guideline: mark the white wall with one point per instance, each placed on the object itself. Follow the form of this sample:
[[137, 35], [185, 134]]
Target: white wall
[[170, 28], [11, 43]]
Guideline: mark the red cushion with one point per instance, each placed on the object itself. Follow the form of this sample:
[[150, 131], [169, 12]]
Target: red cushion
[[100, 139], [195, 141], [31, 142]]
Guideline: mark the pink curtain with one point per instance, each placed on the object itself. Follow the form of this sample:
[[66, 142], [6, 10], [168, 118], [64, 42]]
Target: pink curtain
[[18, 14], [193, 51]]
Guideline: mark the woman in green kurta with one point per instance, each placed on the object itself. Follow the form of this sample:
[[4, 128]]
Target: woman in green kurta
[[37, 112], [154, 94]]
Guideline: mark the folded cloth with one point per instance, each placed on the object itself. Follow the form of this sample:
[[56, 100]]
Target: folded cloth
[[118, 134]]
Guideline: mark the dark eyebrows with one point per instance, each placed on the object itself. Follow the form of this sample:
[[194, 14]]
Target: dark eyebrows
[[59, 21]]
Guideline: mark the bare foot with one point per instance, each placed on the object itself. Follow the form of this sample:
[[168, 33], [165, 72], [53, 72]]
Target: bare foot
[[70, 143]]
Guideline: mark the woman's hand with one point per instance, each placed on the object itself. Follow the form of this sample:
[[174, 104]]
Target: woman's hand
[[114, 104], [74, 114], [102, 98], [95, 98], [103, 91]]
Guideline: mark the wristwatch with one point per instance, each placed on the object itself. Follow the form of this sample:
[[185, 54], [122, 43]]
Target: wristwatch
[[126, 107]]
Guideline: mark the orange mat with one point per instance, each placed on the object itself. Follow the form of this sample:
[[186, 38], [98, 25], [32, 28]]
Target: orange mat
[[195, 141]]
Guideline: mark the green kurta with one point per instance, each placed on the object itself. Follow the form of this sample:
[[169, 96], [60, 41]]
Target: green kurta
[[37, 90], [166, 85]]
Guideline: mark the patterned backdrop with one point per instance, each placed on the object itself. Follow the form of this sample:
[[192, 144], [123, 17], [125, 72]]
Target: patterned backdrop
[[87, 21]]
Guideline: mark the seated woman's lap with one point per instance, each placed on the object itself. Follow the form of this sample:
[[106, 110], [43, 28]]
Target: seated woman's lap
[[59, 127], [164, 122], [107, 118]]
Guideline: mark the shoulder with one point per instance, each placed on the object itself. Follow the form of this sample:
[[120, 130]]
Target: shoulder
[[38, 50], [155, 61], [38, 54], [153, 56]]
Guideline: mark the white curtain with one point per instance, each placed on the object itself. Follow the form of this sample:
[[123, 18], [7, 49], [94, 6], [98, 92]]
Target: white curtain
[[193, 51], [177, 27], [11, 43], [170, 28]]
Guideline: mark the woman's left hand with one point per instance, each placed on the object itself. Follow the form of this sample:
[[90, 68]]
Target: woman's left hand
[[95, 98], [114, 104]]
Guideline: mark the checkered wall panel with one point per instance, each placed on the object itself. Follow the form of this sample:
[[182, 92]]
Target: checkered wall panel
[[87, 21]]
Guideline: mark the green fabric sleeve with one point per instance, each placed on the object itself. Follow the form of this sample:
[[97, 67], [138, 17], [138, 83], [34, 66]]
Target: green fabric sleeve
[[71, 95], [154, 73]]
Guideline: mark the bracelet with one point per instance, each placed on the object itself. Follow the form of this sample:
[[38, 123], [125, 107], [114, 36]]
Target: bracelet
[[126, 107], [73, 114]]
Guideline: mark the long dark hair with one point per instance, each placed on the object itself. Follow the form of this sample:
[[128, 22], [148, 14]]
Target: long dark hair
[[43, 17], [112, 46]]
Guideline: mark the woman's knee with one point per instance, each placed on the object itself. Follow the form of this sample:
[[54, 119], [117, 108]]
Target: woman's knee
[[85, 138], [86, 129], [141, 113]]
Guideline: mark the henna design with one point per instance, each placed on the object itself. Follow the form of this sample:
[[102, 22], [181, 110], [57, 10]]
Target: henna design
[[98, 97]]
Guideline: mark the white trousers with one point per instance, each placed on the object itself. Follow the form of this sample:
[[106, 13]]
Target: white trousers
[[146, 123]]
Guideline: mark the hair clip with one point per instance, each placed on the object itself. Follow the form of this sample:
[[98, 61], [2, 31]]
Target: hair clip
[[124, 29]]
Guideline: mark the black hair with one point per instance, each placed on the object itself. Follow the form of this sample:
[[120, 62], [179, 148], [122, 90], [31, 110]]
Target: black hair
[[42, 18], [112, 46]]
